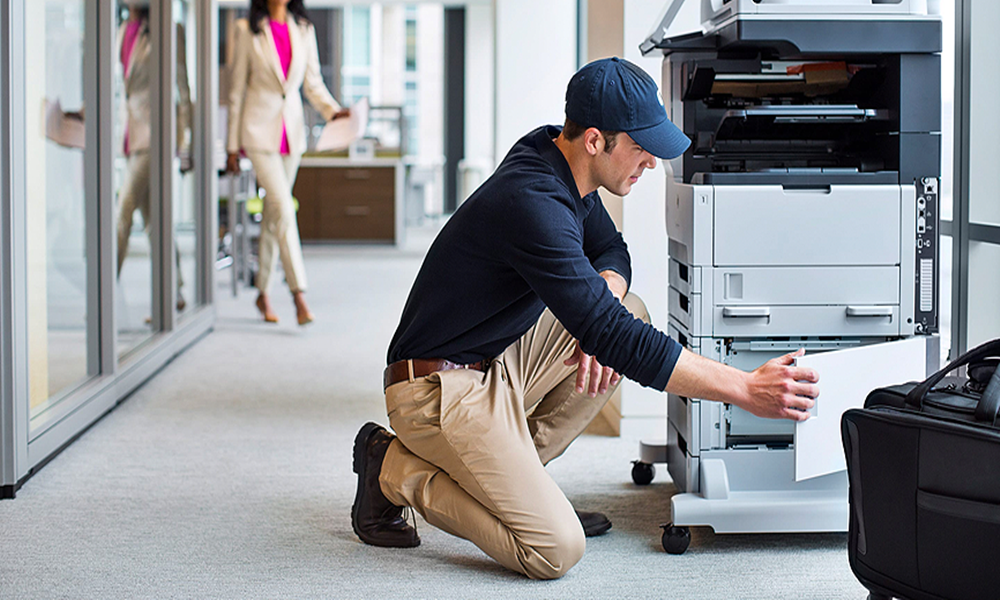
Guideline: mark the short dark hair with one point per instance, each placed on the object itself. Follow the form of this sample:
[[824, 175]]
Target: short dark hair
[[572, 130]]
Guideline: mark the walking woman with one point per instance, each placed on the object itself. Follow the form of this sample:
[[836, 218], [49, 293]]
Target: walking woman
[[275, 56]]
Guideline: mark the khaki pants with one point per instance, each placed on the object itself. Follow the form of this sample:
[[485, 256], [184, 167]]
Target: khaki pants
[[279, 231], [470, 452]]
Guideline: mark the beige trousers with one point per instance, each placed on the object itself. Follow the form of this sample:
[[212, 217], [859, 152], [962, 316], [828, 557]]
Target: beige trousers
[[135, 196], [279, 231], [472, 446]]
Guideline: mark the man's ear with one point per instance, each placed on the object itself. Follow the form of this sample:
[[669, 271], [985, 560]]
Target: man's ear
[[593, 141]]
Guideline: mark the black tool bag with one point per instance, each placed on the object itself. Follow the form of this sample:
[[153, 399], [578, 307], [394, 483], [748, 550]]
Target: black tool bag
[[923, 463]]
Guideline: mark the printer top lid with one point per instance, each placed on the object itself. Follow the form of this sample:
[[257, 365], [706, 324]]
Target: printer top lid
[[719, 14]]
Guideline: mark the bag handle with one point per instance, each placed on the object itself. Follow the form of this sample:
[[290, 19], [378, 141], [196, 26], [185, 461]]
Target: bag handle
[[991, 348], [989, 406]]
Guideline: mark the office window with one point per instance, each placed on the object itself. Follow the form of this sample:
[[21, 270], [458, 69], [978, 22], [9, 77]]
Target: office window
[[357, 65], [412, 116], [411, 39]]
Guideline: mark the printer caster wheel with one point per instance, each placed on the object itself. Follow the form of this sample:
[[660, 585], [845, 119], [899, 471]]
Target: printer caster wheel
[[675, 539], [642, 473]]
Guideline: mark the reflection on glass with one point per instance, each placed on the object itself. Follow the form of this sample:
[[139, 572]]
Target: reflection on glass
[[56, 198], [135, 71], [185, 204]]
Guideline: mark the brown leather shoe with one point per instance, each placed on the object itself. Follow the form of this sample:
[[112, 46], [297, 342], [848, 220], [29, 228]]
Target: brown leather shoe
[[376, 520], [594, 523]]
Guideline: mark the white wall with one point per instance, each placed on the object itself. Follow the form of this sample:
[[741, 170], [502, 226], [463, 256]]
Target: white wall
[[392, 53], [536, 43], [479, 89], [430, 65], [644, 410]]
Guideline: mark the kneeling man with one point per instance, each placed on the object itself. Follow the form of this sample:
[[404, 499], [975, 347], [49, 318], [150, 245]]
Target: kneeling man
[[516, 332]]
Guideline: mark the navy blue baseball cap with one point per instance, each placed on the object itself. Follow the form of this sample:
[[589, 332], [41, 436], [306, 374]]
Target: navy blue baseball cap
[[613, 94]]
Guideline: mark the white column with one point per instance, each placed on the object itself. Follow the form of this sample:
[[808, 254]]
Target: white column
[[430, 103], [430, 64], [393, 55], [535, 52], [479, 95]]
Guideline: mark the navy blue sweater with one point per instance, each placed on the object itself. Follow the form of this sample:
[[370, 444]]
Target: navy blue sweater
[[523, 241]]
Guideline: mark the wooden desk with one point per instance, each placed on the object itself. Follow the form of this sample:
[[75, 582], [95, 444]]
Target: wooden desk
[[350, 200]]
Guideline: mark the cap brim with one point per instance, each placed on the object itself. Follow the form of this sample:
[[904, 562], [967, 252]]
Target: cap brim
[[664, 141]]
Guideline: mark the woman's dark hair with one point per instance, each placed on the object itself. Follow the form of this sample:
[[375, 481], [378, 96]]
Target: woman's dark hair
[[258, 10]]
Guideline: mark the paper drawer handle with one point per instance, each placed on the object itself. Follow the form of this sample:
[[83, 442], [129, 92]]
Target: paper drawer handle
[[747, 312], [869, 311]]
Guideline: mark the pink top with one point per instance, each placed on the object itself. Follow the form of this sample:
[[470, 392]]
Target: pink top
[[128, 45], [283, 44]]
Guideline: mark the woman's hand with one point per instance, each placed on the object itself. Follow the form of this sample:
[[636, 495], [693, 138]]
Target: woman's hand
[[233, 162]]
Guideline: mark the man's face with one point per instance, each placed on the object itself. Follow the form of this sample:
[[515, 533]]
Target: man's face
[[623, 166]]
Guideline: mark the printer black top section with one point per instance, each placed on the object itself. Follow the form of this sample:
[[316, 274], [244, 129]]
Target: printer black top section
[[800, 38]]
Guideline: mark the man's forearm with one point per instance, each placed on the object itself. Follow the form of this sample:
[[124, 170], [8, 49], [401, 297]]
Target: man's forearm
[[616, 283], [777, 389], [699, 377]]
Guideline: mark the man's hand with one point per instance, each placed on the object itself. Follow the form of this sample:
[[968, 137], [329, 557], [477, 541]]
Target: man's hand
[[233, 162], [601, 377], [778, 390]]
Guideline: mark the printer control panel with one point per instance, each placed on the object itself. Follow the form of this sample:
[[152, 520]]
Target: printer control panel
[[925, 312]]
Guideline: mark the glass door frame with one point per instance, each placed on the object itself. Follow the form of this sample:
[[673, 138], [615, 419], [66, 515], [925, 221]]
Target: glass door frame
[[25, 443], [962, 230]]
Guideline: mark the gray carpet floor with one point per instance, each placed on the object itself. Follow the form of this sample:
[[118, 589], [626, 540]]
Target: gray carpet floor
[[228, 475]]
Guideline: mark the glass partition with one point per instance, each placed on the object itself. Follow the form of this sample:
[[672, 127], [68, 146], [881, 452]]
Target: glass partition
[[135, 207], [56, 185], [185, 197]]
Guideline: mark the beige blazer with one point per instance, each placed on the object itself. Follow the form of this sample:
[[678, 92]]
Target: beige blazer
[[260, 96], [137, 75]]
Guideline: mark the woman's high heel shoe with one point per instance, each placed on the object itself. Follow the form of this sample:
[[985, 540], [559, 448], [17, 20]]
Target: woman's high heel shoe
[[265, 309], [301, 309]]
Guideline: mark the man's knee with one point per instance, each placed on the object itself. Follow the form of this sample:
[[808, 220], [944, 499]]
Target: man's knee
[[636, 306], [564, 550]]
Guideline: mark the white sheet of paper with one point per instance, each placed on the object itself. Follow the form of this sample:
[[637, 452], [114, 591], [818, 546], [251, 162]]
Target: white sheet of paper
[[63, 130], [845, 379], [340, 133]]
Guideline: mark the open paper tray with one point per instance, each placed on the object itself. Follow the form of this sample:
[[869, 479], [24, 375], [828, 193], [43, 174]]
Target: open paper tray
[[798, 122]]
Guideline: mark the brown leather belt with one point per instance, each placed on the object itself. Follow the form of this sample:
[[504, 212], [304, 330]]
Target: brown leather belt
[[408, 370]]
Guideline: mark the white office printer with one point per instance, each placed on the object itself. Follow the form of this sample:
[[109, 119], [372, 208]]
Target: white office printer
[[804, 215]]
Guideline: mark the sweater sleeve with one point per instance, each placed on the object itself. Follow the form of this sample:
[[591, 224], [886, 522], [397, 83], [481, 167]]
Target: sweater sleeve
[[604, 245], [545, 245]]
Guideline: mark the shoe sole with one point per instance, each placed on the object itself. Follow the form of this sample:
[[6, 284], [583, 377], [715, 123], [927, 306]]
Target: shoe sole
[[360, 444], [599, 530]]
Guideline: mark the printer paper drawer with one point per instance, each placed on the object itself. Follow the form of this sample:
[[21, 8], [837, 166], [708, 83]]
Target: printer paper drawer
[[683, 416], [687, 310], [685, 278], [806, 286], [771, 321], [839, 225]]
